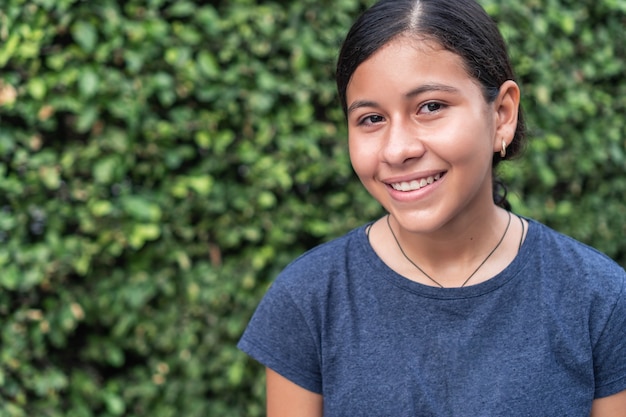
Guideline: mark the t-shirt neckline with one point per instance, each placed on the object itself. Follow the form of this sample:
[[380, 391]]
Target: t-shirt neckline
[[383, 271]]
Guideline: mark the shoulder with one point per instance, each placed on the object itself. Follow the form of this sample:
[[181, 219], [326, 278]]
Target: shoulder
[[565, 256], [584, 291], [328, 261], [573, 277]]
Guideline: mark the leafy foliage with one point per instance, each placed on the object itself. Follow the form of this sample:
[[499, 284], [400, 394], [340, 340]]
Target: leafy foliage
[[161, 161]]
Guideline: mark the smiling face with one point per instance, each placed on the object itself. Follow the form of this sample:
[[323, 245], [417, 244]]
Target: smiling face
[[422, 136]]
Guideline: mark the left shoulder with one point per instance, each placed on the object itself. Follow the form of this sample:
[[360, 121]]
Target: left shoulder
[[564, 254]]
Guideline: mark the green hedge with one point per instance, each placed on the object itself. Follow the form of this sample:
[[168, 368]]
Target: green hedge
[[161, 161]]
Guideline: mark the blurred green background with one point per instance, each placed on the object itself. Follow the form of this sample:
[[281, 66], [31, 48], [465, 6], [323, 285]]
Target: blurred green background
[[161, 161]]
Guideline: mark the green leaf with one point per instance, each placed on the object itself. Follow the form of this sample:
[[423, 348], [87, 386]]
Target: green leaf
[[141, 233], [85, 35], [114, 403], [106, 169], [88, 83], [141, 208], [8, 48], [208, 64], [37, 88]]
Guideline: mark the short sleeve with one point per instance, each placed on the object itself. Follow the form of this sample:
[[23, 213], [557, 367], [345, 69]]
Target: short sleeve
[[279, 337], [610, 350]]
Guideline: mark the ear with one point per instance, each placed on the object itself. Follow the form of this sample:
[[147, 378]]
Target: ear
[[506, 107]]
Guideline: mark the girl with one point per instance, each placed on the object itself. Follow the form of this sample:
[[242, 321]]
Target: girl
[[450, 305]]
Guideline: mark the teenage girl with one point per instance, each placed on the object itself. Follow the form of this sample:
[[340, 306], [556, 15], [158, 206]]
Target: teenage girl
[[450, 305]]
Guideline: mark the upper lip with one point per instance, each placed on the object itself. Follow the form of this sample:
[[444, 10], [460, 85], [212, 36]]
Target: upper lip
[[412, 177]]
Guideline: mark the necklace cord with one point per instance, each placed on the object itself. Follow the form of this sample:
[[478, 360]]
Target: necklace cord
[[472, 274], [521, 239]]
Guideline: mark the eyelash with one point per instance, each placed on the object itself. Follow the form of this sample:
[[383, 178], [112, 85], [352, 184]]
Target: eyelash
[[367, 120], [440, 106]]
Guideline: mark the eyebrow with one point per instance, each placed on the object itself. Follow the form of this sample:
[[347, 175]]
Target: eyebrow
[[415, 92]]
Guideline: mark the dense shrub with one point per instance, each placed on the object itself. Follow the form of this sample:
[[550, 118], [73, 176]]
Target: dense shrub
[[160, 161]]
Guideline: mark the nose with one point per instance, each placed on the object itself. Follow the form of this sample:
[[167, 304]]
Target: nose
[[402, 143]]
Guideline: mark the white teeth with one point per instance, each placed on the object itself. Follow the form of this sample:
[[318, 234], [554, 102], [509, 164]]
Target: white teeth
[[415, 184]]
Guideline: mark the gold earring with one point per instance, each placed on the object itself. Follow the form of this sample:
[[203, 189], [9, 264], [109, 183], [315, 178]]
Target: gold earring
[[503, 150]]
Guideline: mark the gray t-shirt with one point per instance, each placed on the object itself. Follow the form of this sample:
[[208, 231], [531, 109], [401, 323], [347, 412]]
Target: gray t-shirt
[[542, 338]]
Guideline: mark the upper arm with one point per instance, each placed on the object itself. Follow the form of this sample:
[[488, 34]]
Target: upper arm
[[611, 406], [286, 399]]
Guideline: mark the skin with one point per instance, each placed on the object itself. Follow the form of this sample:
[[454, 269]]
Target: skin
[[286, 399], [611, 406], [414, 112]]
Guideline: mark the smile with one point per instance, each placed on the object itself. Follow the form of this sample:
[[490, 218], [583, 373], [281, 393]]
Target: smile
[[415, 184]]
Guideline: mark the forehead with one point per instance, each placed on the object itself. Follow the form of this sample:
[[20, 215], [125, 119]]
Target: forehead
[[407, 62]]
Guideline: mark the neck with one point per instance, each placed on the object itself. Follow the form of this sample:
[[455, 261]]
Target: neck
[[455, 254]]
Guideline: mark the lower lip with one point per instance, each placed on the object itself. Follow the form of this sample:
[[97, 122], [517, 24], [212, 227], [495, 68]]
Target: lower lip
[[410, 196]]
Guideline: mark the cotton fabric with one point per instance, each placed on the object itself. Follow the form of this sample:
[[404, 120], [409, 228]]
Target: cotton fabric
[[542, 338]]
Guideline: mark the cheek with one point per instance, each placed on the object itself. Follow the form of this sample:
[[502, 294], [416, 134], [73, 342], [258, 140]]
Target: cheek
[[362, 158], [464, 143]]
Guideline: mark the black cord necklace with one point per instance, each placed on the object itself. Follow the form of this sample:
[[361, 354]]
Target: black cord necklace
[[472, 274]]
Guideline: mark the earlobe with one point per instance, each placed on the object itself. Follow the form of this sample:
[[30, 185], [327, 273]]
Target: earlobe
[[506, 107]]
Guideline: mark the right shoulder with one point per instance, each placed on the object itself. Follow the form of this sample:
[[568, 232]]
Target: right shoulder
[[324, 263], [285, 332]]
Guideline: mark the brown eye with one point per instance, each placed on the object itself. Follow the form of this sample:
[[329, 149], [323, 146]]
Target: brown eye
[[432, 107], [371, 120]]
